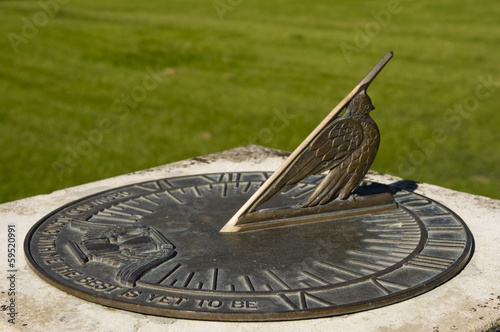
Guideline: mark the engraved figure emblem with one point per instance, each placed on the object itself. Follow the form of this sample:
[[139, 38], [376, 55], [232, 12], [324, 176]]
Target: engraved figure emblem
[[133, 249]]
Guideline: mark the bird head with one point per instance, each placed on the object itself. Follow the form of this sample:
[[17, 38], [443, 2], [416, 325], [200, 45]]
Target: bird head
[[360, 103]]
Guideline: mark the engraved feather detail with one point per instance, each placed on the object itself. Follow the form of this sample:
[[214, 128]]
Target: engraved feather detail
[[346, 147]]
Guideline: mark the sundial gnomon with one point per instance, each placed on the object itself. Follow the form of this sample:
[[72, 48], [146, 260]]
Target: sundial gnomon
[[157, 247]]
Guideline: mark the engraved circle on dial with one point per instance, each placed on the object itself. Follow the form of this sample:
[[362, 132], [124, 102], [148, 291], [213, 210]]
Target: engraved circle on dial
[[156, 248]]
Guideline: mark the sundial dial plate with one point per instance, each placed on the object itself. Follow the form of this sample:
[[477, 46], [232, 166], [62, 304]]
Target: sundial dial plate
[[258, 246], [156, 248]]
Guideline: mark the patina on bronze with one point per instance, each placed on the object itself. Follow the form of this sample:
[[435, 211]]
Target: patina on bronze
[[156, 248]]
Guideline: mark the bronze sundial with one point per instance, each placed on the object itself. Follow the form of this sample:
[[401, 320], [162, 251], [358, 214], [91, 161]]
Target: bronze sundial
[[258, 246]]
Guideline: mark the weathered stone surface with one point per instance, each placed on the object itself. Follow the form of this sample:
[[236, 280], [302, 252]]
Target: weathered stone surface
[[468, 302]]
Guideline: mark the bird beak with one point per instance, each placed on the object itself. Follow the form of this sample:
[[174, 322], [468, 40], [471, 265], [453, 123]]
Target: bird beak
[[373, 107]]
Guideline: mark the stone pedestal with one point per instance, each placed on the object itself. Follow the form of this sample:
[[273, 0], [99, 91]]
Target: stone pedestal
[[468, 302]]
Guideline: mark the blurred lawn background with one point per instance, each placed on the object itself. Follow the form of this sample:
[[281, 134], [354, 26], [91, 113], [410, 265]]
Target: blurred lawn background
[[93, 89]]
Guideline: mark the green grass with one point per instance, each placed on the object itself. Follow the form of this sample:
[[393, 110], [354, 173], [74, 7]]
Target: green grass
[[223, 82]]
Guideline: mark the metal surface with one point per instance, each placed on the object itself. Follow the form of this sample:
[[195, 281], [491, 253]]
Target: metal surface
[[345, 146], [156, 248]]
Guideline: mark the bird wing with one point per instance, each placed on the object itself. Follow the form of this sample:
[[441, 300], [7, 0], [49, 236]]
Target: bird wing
[[348, 174], [329, 148]]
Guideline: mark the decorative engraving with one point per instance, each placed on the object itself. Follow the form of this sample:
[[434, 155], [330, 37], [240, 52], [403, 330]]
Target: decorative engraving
[[248, 283], [277, 279], [316, 278], [304, 301], [214, 278], [170, 272], [346, 148], [188, 279], [388, 287], [430, 262], [132, 249], [446, 244]]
